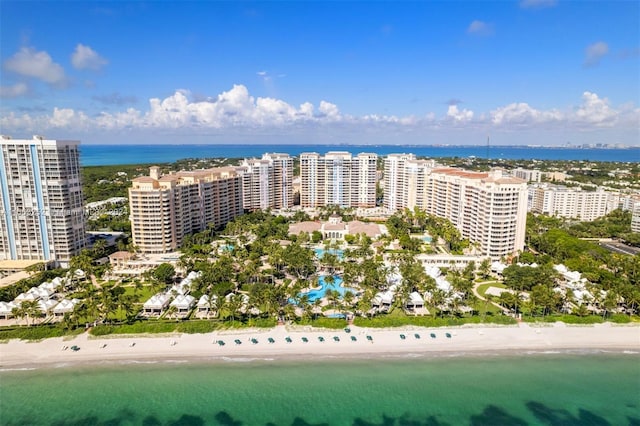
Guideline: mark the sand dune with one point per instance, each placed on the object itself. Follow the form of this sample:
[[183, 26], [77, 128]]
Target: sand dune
[[465, 339]]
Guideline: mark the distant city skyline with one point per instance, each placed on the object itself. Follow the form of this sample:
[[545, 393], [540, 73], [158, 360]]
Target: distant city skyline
[[530, 72]]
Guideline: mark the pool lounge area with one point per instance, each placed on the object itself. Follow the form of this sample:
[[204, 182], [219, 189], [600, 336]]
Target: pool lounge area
[[320, 252], [319, 293]]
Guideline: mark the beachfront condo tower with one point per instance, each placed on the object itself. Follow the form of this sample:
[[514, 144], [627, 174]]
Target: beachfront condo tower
[[338, 178], [164, 209], [41, 200], [489, 209], [267, 183]]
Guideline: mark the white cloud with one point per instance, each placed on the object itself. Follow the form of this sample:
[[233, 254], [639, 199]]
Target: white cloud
[[521, 114], [457, 115], [595, 111], [329, 110], [31, 63], [236, 112], [537, 4], [85, 58], [594, 53], [480, 28], [14, 91], [66, 117]]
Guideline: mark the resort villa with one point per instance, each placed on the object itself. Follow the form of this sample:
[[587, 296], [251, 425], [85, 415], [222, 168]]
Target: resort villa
[[336, 229]]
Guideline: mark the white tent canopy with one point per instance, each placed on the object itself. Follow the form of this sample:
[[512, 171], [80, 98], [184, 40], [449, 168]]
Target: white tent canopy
[[65, 306]]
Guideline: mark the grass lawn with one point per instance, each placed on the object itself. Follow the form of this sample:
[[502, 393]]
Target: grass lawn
[[482, 289], [142, 295], [485, 307]]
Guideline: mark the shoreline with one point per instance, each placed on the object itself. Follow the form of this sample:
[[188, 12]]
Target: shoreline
[[522, 339]]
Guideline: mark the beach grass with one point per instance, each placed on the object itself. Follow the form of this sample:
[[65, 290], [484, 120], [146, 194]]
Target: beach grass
[[36, 333]]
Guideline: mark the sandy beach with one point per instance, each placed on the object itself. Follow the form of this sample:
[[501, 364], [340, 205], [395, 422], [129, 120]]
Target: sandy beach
[[383, 342]]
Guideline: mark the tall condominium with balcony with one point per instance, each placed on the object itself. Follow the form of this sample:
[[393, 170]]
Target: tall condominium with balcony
[[487, 208], [404, 181], [267, 183], [164, 209], [338, 178], [573, 203], [41, 199]]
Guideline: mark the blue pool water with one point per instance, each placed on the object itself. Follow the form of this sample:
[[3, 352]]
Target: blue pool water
[[319, 293], [320, 252]]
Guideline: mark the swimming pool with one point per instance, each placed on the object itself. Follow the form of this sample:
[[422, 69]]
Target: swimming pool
[[320, 252], [319, 293]]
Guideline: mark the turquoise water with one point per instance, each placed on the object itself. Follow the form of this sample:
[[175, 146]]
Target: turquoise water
[[336, 286], [320, 252], [550, 389], [130, 153]]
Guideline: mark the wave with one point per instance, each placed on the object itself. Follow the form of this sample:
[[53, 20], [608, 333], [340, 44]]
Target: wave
[[2, 370], [239, 359]]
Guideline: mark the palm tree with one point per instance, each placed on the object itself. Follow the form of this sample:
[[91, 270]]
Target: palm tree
[[172, 311], [31, 310], [19, 312]]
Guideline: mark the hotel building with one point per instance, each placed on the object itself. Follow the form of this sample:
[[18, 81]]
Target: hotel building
[[338, 178], [267, 183], [571, 203], [41, 198], [163, 209], [487, 208]]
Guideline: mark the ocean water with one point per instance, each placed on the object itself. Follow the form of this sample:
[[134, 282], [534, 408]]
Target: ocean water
[[96, 155], [564, 389]]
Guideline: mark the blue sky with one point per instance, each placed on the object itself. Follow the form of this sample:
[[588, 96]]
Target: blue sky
[[538, 72]]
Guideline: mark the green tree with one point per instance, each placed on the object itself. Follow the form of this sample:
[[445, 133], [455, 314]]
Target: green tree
[[164, 273]]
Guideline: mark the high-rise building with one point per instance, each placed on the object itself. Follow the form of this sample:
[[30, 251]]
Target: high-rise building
[[41, 199], [164, 209], [487, 208], [267, 183], [404, 181], [571, 203], [635, 218], [338, 178]]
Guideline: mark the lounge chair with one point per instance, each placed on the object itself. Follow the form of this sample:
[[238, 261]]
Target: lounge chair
[[288, 339], [448, 335], [433, 335], [336, 338], [417, 336], [220, 342], [353, 338], [305, 340], [238, 341], [369, 338], [321, 339], [254, 341], [271, 340], [402, 336]]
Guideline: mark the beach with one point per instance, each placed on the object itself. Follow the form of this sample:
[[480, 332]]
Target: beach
[[255, 343]]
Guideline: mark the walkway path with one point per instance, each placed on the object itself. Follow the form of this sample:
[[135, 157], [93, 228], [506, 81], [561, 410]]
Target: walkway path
[[497, 305]]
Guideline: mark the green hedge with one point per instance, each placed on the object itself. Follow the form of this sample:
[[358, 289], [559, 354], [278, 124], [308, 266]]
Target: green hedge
[[385, 321], [36, 332], [135, 328], [323, 322], [574, 319], [197, 327]]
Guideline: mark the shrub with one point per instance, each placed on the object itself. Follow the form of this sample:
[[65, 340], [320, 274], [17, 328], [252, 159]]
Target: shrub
[[36, 332]]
